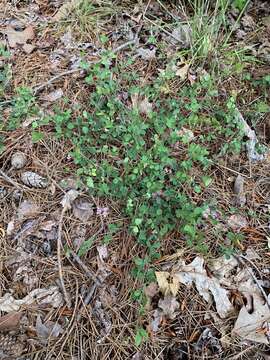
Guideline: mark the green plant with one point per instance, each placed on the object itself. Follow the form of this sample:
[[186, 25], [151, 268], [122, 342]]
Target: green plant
[[207, 24], [141, 336]]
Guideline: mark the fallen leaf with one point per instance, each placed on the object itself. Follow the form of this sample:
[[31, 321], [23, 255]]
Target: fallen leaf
[[182, 71], [253, 155], [47, 331], [248, 324], [206, 286], [65, 10], [10, 321], [169, 305], [102, 252], [28, 48], [151, 290], [27, 209], [145, 107], [51, 297], [146, 54], [237, 222], [19, 37], [181, 35], [165, 286], [156, 321], [82, 209], [53, 96], [68, 199]]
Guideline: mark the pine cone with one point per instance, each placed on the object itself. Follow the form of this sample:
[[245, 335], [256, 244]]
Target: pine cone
[[10, 346]]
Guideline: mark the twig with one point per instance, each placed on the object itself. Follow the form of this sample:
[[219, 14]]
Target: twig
[[40, 87], [11, 181], [88, 272], [242, 260], [59, 245]]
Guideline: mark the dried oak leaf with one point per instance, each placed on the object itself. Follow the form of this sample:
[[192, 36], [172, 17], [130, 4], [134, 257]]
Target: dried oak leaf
[[48, 330], [34, 180], [27, 209], [19, 37], [169, 305], [82, 209], [10, 321]]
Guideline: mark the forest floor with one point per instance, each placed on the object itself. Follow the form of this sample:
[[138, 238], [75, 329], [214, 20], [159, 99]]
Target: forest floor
[[134, 179]]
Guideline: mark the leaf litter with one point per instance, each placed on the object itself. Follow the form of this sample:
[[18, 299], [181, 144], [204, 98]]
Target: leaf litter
[[253, 319]]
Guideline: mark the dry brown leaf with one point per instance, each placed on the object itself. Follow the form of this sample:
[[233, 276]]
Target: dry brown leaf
[[237, 222], [53, 96], [50, 296], [47, 331], [182, 72], [169, 305], [28, 48], [165, 286], [27, 209], [248, 324], [151, 290], [65, 10], [206, 286], [68, 199], [82, 209], [10, 321], [19, 37]]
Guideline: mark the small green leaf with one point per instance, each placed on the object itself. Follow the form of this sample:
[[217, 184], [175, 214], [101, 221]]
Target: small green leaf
[[37, 136], [206, 180], [85, 247], [141, 336]]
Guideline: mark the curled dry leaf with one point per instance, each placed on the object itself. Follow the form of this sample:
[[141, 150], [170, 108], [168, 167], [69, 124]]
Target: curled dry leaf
[[182, 71], [206, 286], [253, 155], [51, 297], [151, 290], [53, 96], [250, 325], [146, 54], [82, 209], [238, 189], [34, 180], [18, 37], [65, 10], [68, 199], [47, 331], [27, 209], [156, 321], [166, 286], [18, 160], [10, 321], [169, 305], [102, 252], [237, 222]]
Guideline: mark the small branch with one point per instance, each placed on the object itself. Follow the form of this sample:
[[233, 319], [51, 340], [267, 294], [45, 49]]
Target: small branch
[[59, 246], [11, 181]]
